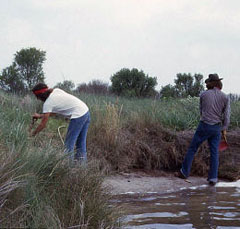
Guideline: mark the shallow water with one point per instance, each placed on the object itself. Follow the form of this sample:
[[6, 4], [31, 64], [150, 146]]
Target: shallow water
[[198, 207]]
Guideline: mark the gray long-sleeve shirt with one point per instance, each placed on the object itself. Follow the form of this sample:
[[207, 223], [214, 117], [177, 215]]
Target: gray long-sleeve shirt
[[215, 107]]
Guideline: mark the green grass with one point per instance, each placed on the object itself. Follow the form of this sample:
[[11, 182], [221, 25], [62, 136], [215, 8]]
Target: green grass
[[235, 114], [175, 114], [38, 188]]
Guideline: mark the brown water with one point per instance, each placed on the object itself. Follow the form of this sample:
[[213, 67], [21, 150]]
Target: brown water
[[203, 207]]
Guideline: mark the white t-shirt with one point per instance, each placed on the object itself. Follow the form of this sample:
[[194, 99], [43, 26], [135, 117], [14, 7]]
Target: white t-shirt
[[60, 102]]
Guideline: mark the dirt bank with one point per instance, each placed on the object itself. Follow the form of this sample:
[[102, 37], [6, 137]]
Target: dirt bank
[[154, 148], [145, 180]]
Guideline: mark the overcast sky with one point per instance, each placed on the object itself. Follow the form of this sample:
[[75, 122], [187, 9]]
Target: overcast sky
[[93, 39]]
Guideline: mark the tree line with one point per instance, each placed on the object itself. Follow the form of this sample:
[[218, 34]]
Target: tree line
[[27, 70]]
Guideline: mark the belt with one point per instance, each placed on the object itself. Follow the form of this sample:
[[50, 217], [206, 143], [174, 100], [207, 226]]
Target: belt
[[216, 124]]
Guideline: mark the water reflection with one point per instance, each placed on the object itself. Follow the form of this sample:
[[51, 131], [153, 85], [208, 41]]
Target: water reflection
[[205, 207]]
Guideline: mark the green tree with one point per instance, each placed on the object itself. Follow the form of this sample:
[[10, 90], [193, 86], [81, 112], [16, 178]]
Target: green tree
[[25, 71], [197, 86], [66, 85], [168, 91], [10, 80], [133, 83], [29, 65], [185, 85]]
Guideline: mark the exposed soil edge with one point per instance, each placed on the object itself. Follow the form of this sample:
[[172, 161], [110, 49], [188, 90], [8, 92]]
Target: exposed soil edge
[[140, 183]]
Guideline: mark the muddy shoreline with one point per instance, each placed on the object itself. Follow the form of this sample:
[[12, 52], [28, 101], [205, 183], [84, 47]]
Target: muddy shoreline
[[156, 149], [143, 183]]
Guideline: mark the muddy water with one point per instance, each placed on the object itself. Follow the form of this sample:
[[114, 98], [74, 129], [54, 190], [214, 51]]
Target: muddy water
[[198, 207]]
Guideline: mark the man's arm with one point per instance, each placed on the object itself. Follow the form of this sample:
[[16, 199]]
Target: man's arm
[[226, 115], [200, 105], [43, 122]]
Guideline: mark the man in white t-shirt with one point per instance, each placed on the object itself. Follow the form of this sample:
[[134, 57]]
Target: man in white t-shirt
[[57, 101]]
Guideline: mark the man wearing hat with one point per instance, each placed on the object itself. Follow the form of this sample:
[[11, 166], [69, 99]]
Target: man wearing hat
[[57, 101], [214, 119]]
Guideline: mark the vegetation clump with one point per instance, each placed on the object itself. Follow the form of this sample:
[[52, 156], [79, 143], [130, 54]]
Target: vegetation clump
[[38, 186]]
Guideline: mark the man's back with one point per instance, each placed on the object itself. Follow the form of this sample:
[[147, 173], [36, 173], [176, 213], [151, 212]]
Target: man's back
[[214, 107], [65, 104]]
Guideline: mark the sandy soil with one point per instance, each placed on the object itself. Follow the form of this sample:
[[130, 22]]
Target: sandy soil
[[143, 183]]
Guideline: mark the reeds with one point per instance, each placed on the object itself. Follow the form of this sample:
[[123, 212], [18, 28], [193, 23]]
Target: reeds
[[175, 114], [38, 188]]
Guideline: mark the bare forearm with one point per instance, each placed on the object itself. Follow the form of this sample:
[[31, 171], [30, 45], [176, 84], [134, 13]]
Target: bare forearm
[[40, 116], [42, 125], [38, 129]]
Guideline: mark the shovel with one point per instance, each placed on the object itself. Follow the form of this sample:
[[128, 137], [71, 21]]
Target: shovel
[[223, 145]]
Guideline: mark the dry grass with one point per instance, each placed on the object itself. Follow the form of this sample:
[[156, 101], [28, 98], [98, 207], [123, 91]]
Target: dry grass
[[106, 125]]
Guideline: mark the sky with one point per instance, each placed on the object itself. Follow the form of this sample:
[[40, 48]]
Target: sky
[[86, 40]]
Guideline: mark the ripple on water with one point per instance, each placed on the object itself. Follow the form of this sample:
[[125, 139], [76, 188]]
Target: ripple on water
[[170, 204], [157, 215], [162, 226]]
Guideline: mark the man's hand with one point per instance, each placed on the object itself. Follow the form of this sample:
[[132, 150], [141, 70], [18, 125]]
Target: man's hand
[[43, 123], [224, 133], [36, 116]]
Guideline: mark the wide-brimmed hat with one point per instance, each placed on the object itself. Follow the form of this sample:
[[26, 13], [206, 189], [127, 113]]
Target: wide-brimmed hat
[[213, 77]]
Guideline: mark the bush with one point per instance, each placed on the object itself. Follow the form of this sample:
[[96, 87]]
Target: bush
[[133, 83], [94, 87]]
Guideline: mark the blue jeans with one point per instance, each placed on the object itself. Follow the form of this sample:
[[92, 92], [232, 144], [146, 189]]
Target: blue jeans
[[77, 135], [212, 133]]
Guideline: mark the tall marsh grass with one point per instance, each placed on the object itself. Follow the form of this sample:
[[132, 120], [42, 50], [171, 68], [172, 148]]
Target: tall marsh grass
[[38, 188], [175, 114], [106, 123]]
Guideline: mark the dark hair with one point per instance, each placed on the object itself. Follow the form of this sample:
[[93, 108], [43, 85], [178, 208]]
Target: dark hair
[[212, 84], [42, 96]]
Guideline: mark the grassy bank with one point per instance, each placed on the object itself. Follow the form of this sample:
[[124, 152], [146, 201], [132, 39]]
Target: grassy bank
[[154, 134], [38, 188]]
